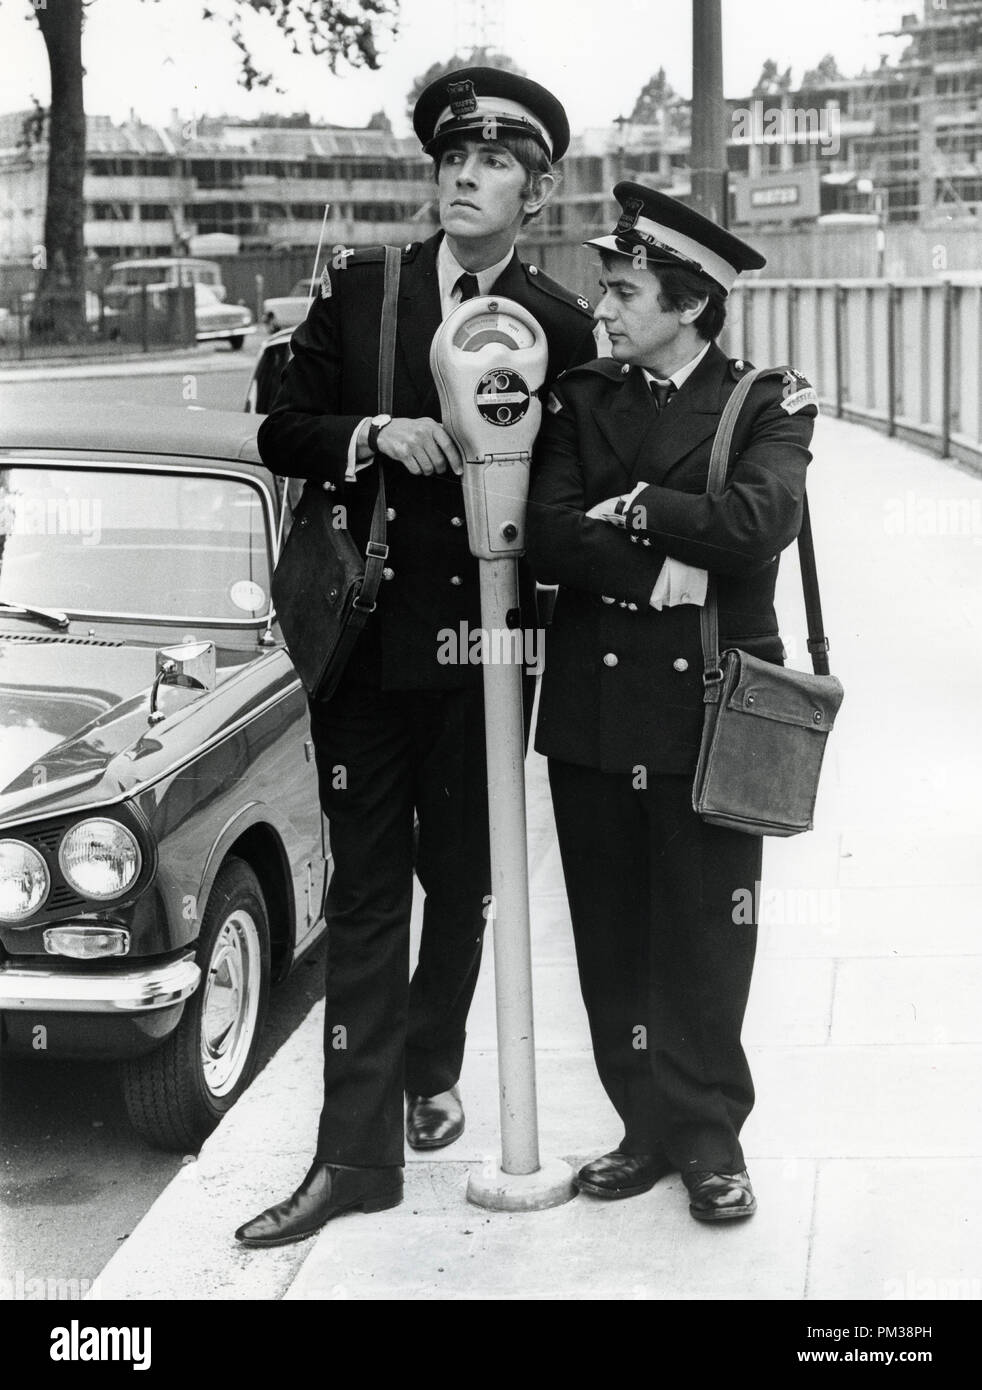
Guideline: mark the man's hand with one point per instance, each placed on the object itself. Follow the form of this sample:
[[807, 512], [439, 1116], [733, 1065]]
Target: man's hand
[[605, 511], [422, 446]]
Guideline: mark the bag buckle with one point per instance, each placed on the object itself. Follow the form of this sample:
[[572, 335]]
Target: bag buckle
[[818, 644], [377, 550]]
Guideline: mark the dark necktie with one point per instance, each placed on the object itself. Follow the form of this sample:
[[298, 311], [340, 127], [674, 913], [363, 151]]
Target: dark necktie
[[467, 284], [661, 391]]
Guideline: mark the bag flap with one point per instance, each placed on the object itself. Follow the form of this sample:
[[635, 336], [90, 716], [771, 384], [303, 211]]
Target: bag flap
[[774, 692]]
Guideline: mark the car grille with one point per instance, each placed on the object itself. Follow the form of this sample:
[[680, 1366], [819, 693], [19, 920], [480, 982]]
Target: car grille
[[57, 637], [61, 897]]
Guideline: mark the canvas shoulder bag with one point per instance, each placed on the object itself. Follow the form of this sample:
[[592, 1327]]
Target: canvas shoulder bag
[[323, 588], [765, 727]]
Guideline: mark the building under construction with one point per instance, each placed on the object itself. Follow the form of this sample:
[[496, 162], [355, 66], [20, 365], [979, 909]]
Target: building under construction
[[901, 144]]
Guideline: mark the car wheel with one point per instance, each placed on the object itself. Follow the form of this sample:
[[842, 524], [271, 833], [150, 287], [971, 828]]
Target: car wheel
[[236, 342], [177, 1094]]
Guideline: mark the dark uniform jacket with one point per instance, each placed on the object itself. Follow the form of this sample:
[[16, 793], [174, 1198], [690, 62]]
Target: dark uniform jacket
[[331, 384], [623, 682]]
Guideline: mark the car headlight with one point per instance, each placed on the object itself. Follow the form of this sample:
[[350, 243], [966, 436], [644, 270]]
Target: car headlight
[[24, 880], [100, 858]]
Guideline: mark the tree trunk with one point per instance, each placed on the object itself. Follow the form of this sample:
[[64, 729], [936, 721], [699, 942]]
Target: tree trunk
[[58, 315]]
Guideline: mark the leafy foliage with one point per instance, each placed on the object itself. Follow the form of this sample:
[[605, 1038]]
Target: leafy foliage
[[478, 58]]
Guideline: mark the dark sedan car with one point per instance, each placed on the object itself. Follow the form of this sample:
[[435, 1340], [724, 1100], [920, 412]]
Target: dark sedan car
[[162, 853]]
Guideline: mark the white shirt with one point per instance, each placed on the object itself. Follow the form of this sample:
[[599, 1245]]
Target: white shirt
[[448, 272]]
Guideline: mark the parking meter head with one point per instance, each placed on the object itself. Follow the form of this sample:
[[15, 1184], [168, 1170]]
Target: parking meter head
[[489, 359]]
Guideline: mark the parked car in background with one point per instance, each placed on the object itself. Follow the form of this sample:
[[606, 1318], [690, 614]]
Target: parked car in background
[[163, 857], [274, 354], [214, 320], [128, 277], [291, 309]]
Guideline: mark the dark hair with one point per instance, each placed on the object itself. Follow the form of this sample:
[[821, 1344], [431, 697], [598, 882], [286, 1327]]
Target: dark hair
[[679, 287], [529, 153]]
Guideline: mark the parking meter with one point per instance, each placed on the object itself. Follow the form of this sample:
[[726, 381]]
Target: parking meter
[[488, 359]]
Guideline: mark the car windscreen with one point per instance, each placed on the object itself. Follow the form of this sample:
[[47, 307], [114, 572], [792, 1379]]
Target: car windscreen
[[156, 543], [139, 275]]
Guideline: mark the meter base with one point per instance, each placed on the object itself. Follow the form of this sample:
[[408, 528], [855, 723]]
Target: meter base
[[550, 1186]]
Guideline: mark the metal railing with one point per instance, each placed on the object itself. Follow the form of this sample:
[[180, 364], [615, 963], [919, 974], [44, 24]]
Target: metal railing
[[903, 355], [147, 319]]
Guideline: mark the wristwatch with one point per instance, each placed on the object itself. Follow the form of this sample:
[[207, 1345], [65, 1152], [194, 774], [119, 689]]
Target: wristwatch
[[376, 426]]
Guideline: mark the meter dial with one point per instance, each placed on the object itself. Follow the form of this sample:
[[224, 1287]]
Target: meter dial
[[496, 326]]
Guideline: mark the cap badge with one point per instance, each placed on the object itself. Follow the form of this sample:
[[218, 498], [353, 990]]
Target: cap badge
[[629, 216], [463, 101]]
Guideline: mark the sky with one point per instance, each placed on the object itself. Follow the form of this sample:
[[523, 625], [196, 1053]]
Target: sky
[[152, 56]]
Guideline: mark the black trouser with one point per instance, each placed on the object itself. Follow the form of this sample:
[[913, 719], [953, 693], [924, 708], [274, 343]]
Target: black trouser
[[380, 757], [665, 957]]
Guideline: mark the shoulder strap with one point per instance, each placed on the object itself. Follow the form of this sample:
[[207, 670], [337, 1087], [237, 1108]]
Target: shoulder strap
[[377, 551], [818, 643]]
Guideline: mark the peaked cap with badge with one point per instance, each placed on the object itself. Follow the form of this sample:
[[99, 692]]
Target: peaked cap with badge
[[476, 101], [670, 233]]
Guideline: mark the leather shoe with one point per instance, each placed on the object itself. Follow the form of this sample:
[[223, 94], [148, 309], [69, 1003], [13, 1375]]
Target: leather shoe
[[720, 1196], [328, 1190], [434, 1121], [623, 1175]]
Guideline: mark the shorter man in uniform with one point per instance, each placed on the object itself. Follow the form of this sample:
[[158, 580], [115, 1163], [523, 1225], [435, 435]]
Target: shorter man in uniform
[[620, 519]]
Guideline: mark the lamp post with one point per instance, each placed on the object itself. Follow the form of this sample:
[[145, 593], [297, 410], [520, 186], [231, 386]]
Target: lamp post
[[708, 157]]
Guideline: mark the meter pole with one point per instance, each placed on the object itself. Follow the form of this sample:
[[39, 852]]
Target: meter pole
[[521, 1183], [505, 738]]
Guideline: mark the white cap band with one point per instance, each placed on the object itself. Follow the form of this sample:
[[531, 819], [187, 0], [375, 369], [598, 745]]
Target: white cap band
[[487, 108], [661, 236]]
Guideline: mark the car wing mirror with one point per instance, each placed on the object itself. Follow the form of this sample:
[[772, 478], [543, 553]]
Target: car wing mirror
[[190, 666]]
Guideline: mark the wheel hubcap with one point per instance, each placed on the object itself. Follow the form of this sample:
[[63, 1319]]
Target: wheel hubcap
[[231, 1002]]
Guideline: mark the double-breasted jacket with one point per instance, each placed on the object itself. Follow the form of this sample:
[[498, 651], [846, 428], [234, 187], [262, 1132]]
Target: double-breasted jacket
[[623, 681]]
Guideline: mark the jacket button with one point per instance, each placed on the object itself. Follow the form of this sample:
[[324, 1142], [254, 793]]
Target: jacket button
[[632, 607], [456, 521], [680, 664], [610, 659], [606, 598], [388, 574], [456, 579], [533, 270], [390, 513]]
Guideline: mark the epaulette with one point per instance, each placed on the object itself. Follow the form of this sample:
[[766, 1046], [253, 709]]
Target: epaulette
[[373, 255], [541, 281], [600, 366], [796, 390]]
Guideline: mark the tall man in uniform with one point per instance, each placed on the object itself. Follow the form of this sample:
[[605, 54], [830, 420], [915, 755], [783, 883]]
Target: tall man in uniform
[[620, 519], [404, 733]]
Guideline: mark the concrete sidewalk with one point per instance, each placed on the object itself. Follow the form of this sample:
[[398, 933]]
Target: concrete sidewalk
[[864, 1030]]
